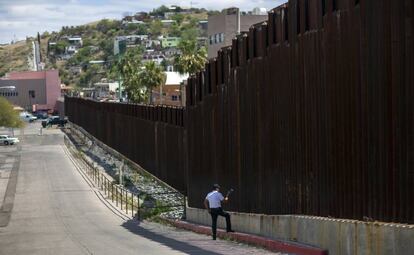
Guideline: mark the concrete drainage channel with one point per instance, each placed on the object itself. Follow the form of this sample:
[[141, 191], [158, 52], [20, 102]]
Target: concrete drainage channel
[[138, 194]]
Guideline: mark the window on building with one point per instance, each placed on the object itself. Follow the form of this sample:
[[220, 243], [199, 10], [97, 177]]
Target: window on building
[[221, 37], [334, 5], [32, 94], [217, 39], [174, 98]]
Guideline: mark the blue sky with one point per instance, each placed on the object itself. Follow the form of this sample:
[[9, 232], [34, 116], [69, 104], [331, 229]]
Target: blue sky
[[21, 18]]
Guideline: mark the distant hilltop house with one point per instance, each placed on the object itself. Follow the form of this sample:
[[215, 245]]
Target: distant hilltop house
[[65, 47], [121, 43], [155, 56], [167, 22], [137, 18], [127, 22]]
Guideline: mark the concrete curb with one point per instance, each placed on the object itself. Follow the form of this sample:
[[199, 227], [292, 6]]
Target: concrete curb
[[270, 244]]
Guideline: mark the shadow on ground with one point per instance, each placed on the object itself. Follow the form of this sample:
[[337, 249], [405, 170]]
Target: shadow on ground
[[133, 226]]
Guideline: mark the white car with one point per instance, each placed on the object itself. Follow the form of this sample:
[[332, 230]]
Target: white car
[[6, 140], [27, 117]]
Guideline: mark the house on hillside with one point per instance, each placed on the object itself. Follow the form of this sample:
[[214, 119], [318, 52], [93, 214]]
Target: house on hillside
[[167, 22], [169, 42], [105, 89], [155, 56], [173, 92]]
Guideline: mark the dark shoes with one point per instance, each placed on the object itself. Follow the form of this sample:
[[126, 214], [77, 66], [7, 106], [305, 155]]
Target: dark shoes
[[228, 231]]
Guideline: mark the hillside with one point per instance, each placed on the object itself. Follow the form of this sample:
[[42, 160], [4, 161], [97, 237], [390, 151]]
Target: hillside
[[97, 43], [14, 57]]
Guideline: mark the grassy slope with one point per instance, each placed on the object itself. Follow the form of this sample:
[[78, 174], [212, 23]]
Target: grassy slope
[[14, 57]]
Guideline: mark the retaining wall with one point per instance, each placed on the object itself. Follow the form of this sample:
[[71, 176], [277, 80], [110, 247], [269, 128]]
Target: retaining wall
[[339, 237]]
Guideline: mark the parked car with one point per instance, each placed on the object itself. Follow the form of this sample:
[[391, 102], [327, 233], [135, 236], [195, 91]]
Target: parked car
[[41, 115], [54, 120], [6, 140], [27, 117]]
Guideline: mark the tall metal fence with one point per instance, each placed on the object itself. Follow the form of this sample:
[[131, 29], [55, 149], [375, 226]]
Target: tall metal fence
[[308, 113], [311, 112]]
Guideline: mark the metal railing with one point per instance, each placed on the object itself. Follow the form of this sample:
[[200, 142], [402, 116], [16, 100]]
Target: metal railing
[[129, 201]]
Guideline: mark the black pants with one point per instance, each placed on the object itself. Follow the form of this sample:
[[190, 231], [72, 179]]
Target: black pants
[[215, 212]]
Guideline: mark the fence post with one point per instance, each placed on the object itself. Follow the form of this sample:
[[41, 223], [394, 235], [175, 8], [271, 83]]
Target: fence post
[[105, 188], [126, 201], [132, 206], [185, 208], [122, 191], [139, 215], [116, 195]]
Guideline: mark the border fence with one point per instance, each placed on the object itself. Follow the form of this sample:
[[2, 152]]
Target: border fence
[[150, 136], [308, 113]]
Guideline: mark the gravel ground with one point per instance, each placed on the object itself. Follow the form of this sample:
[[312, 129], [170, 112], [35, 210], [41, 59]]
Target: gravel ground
[[157, 194]]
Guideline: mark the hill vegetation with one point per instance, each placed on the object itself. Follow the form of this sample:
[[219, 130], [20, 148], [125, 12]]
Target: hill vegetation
[[98, 43], [14, 57]]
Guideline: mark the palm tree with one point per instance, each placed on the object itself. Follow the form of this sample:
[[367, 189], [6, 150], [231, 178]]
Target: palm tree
[[192, 59], [152, 76], [129, 68]]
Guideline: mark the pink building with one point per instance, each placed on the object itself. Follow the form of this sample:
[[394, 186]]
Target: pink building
[[32, 90]]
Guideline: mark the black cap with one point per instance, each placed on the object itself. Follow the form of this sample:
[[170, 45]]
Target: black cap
[[216, 186]]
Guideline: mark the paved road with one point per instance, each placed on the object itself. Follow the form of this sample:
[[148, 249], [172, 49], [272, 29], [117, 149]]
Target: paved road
[[50, 209]]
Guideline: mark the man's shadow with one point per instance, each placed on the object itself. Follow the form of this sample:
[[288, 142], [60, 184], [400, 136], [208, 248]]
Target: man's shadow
[[133, 226]]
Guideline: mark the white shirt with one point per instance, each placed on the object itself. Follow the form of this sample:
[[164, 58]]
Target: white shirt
[[214, 199]]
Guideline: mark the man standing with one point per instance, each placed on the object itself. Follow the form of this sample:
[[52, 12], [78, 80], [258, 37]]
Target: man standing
[[212, 203]]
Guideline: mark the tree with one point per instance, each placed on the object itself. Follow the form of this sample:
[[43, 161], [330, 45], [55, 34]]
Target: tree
[[178, 18], [61, 46], [175, 30], [156, 28], [192, 58], [190, 31], [151, 76], [8, 116], [160, 10], [142, 29], [129, 67]]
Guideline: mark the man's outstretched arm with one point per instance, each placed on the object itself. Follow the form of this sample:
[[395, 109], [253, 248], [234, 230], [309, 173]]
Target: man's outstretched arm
[[206, 205]]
